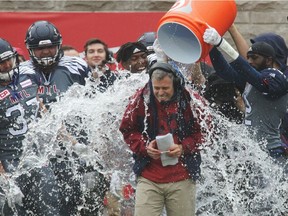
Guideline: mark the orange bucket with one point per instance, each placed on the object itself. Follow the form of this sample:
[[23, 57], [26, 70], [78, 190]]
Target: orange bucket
[[180, 30]]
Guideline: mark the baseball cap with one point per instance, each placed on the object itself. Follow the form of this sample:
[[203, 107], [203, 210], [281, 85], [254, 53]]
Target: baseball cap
[[128, 49], [262, 48]]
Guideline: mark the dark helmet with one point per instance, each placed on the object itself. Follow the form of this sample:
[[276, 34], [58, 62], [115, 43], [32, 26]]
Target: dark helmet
[[147, 39], [43, 34], [7, 53]]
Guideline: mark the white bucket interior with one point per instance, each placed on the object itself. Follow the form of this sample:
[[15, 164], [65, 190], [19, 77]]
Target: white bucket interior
[[179, 43]]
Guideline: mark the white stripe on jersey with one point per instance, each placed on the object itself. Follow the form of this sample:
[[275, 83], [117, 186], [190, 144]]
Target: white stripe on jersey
[[26, 83], [74, 64], [25, 69]]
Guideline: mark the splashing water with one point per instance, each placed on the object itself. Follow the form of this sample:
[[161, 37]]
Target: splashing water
[[238, 177]]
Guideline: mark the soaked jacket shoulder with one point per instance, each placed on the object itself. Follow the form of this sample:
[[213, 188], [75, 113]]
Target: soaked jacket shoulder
[[275, 82], [75, 65]]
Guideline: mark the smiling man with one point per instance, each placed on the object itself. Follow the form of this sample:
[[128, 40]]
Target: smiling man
[[99, 58], [162, 86], [56, 72], [133, 57], [160, 108], [36, 191], [96, 53]]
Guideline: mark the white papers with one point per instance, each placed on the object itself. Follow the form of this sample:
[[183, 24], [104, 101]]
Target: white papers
[[164, 142]]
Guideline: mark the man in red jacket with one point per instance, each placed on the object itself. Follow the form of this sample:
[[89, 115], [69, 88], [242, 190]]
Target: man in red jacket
[[163, 107]]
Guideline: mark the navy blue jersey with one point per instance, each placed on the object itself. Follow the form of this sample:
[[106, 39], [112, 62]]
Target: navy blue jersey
[[17, 109], [265, 95], [69, 70]]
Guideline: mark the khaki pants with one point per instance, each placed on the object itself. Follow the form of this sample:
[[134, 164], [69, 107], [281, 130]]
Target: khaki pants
[[177, 197]]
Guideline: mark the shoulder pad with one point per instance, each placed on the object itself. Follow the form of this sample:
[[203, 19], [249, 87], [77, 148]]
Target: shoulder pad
[[275, 82]]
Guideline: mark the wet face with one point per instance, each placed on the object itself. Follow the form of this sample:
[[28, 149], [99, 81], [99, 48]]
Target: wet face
[[259, 62], [7, 65], [44, 52], [95, 54], [6, 70], [137, 62], [163, 89]]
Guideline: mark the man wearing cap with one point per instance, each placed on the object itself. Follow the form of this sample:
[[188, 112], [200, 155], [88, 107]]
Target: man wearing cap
[[274, 40], [279, 45], [133, 57], [281, 51], [261, 56], [265, 93]]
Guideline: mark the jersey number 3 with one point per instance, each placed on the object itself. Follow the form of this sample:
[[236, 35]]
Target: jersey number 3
[[21, 122]]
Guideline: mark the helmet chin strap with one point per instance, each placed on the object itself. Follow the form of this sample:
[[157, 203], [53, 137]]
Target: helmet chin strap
[[6, 77], [46, 61], [13, 78]]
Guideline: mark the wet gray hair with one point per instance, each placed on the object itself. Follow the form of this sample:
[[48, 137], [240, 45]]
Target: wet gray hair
[[159, 74]]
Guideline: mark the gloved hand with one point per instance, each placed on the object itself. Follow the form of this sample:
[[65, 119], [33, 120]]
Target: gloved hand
[[152, 58], [211, 36], [161, 56]]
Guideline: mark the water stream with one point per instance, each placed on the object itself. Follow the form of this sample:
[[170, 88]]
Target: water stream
[[238, 177]]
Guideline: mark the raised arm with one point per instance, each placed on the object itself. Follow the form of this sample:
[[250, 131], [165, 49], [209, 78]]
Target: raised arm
[[221, 66], [197, 75], [240, 42], [270, 81]]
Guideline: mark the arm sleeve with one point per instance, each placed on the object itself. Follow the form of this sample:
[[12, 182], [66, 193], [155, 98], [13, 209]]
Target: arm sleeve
[[83, 68], [195, 136], [131, 126], [224, 69], [190, 144], [271, 82]]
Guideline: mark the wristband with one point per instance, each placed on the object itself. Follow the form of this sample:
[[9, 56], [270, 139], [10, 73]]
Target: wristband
[[219, 42], [227, 48]]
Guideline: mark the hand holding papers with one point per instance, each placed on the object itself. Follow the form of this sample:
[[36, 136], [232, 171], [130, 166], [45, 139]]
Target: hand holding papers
[[164, 142]]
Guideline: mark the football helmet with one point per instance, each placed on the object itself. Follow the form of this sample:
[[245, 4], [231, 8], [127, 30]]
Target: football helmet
[[8, 61], [148, 39], [43, 34]]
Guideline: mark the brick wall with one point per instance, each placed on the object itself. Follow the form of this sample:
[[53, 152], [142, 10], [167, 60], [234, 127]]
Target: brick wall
[[253, 17]]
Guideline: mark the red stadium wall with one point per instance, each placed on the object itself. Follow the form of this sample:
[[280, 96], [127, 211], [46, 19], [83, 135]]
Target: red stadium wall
[[112, 27]]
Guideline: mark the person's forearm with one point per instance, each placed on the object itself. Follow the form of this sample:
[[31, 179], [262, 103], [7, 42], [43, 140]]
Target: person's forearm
[[136, 143], [222, 67], [196, 74], [228, 49], [240, 42]]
